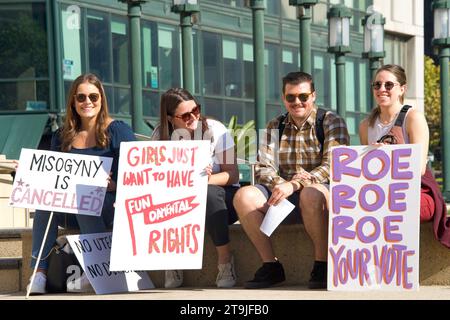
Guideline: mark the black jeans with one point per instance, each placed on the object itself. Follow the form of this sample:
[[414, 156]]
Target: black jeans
[[220, 213]]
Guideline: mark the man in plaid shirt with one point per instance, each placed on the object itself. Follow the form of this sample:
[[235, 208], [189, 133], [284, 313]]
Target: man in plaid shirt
[[295, 167]]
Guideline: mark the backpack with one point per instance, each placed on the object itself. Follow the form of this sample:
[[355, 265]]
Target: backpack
[[60, 260], [320, 134], [395, 135]]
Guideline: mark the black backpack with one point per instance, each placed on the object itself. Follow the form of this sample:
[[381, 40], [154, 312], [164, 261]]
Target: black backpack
[[320, 116]]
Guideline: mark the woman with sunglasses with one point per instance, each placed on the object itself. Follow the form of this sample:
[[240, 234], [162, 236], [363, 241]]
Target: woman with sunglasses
[[389, 88], [181, 119], [88, 129]]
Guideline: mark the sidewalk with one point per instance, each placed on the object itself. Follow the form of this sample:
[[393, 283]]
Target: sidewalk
[[276, 293]]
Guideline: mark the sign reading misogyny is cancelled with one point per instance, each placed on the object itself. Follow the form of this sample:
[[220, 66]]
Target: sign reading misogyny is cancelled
[[60, 182], [374, 218]]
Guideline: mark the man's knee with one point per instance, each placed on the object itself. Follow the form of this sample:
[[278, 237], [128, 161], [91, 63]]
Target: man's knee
[[314, 196], [247, 198]]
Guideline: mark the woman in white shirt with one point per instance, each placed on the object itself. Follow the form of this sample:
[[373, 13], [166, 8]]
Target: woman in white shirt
[[180, 118]]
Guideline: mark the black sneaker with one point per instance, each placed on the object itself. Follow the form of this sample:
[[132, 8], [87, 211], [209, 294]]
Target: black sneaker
[[318, 278], [269, 274]]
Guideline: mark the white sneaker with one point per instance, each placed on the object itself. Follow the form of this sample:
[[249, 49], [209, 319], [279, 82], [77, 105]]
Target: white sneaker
[[226, 278], [173, 278], [80, 285], [38, 285]]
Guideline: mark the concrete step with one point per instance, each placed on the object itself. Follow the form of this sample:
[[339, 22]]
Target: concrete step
[[11, 242], [293, 248], [10, 274]]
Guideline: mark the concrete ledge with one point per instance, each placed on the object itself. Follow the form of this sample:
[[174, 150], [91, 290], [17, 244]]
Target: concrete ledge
[[10, 274], [10, 263], [12, 233], [293, 248]]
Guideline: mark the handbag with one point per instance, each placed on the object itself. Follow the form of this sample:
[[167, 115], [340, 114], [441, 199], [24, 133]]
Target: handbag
[[61, 259]]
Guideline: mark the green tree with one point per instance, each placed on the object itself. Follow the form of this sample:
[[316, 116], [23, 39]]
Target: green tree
[[433, 105]]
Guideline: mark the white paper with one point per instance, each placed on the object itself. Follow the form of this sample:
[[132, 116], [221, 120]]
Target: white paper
[[275, 215]]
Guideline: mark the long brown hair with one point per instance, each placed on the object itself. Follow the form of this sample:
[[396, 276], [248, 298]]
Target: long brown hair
[[72, 122], [169, 103], [400, 75]]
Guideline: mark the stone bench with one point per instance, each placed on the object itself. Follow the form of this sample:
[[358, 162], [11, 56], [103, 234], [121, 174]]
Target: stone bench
[[293, 248]]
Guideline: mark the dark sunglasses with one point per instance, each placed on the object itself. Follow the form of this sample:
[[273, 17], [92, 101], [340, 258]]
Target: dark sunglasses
[[187, 115], [388, 139], [388, 85], [302, 96], [81, 97]]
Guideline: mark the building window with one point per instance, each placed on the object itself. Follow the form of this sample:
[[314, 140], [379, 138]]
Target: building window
[[232, 67], [249, 81], [120, 44], [169, 57], [290, 59], [319, 15], [272, 72], [212, 57], [273, 8], [24, 75], [321, 81], [150, 55], [99, 44], [396, 48]]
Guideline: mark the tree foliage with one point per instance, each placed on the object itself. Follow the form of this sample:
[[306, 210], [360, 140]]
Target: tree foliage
[[432, 102]]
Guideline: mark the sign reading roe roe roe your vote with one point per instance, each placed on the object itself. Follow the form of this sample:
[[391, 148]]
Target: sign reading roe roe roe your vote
[[159, 222], [374, 218], [60, 182]]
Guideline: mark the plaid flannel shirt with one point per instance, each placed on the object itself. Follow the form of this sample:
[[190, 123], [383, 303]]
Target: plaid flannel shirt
[[298, 150]]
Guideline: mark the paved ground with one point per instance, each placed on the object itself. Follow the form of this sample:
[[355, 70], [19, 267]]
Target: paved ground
[[277, 293]]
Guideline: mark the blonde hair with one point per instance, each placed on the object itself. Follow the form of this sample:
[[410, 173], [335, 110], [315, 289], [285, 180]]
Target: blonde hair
[[72, 122], [400, 75]]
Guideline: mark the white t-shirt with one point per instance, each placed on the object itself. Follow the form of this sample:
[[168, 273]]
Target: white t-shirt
[[220, 138]]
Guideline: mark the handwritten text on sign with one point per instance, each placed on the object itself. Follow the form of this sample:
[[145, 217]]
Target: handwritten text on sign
[[93, 252], [160, 205], [374, 218], [61, 182]]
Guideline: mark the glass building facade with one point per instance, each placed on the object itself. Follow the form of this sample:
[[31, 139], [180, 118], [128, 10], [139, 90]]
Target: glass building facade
[[45, 44]]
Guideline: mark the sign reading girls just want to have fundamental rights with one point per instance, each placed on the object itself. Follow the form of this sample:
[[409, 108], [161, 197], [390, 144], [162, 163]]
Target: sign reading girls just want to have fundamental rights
[[60, 182], [374, 218], [159, 221]]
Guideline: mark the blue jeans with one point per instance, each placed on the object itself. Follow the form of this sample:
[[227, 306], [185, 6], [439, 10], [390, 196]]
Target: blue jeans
[[86, 224]]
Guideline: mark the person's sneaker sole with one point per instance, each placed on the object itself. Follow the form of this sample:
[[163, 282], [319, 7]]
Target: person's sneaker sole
[[261, 285], [317, 285]]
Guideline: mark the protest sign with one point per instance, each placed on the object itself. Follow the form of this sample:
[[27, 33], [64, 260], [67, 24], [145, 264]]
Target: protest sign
[[374, 218], [60, 182], [159, 222], [93, 252]]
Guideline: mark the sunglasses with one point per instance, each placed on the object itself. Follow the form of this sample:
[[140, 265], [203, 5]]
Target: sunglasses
[[187, 115], [303, 97], [388, 85], [81, 97]]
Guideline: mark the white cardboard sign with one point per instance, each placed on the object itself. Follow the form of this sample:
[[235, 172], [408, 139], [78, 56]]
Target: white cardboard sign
[[159, 222], [93, 252], [373, 238], [60, 182]]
